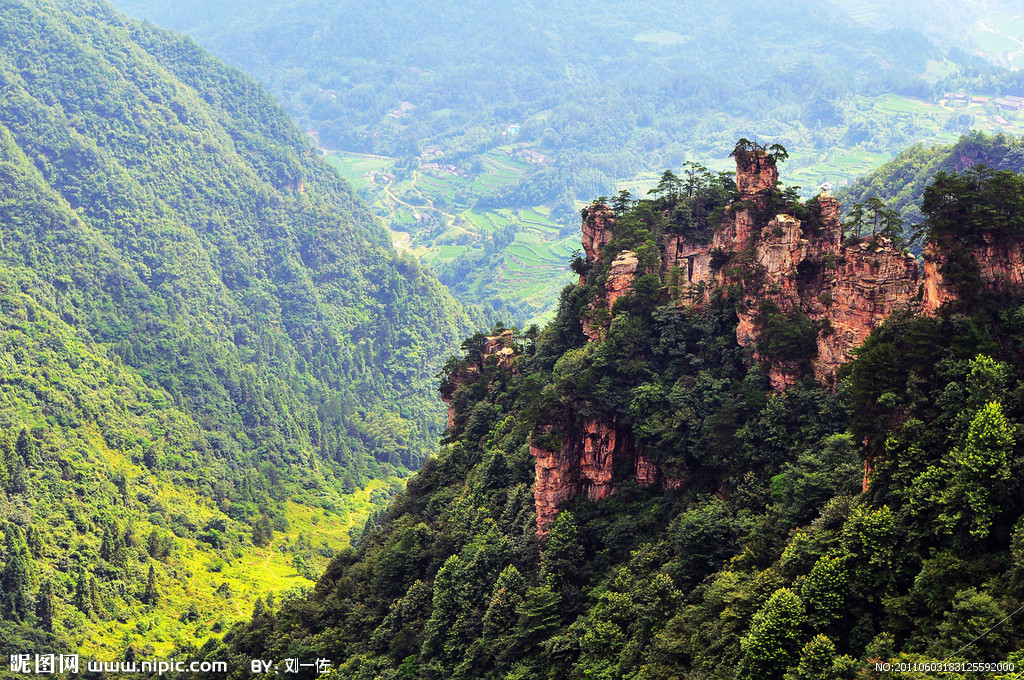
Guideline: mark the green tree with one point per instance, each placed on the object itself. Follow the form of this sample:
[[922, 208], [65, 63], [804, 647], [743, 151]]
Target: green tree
[[668, 188], [152, 594], [539, 617], [980, 474], [823, 592], [560, 560], [817, 661], [855, 219], [772, 644], [17, 575], [262, 531], [870, 537], [45, 606], [24, 448], [83, 599]]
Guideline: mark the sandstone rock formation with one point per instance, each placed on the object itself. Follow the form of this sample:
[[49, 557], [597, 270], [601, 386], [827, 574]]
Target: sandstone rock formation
[[801, 268], [583, 464], [847, 290]]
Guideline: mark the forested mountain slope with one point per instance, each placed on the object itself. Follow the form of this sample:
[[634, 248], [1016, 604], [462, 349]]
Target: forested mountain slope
[[195, 304], [702, 523], [901, 182]]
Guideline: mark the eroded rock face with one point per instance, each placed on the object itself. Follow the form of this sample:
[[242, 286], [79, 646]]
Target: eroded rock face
[[620, 278], [1000, 268], [755, 173], [866, 288], [557, 476], [846, 291], [597, 230], [584, 464]]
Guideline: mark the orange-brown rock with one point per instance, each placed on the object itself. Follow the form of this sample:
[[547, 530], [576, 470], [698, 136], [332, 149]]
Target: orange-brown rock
[[1000, 268], [597, 230], [502, 346], [846, 290], [755, 173], [693, 259], [867, 286], [619, 281], [583, 464], [646, 471], [620, 278], [599, 442], [556, 481]]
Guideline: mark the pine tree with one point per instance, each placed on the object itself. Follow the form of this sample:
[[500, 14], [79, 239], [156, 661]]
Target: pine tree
[[83, 599], [262, 531], [45, 606], [24, 448], [18, 474], [16, 577], [152, 594], [539, 616], [94, 595], [560, 560], [34, 540]]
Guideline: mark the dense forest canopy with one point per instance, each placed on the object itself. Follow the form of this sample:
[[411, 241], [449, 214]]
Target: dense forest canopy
[[803, 534], [901, 183], [204, 331]]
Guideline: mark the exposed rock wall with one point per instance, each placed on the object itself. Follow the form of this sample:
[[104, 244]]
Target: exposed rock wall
[[865, 289], [1000, 268], [597, 230], [845, 290], [584, 464]]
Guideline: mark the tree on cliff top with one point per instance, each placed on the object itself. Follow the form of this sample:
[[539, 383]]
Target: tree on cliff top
[[746, 151]]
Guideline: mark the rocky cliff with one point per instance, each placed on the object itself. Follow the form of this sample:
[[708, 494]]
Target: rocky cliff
[[782, 266], [847, 290]]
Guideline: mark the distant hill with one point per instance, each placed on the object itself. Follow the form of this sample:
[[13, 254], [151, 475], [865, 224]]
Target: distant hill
[[486, 123], [901, 182], [204, 332]]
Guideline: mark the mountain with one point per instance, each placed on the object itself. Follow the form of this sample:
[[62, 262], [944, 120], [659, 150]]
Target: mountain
[[901, 182], [478, 131], [208, 338], [630, 494]]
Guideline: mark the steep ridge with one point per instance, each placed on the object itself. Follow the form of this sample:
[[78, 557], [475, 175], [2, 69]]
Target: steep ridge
[[210, 340], [785, 269], [733, 534], [262, 292]]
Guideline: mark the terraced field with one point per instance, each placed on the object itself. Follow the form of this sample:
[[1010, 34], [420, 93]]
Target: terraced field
[[430, 206], [421, 207]]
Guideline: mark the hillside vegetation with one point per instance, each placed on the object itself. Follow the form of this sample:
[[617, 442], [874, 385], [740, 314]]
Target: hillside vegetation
[[798, 535], [209, 342], [901, 183]]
